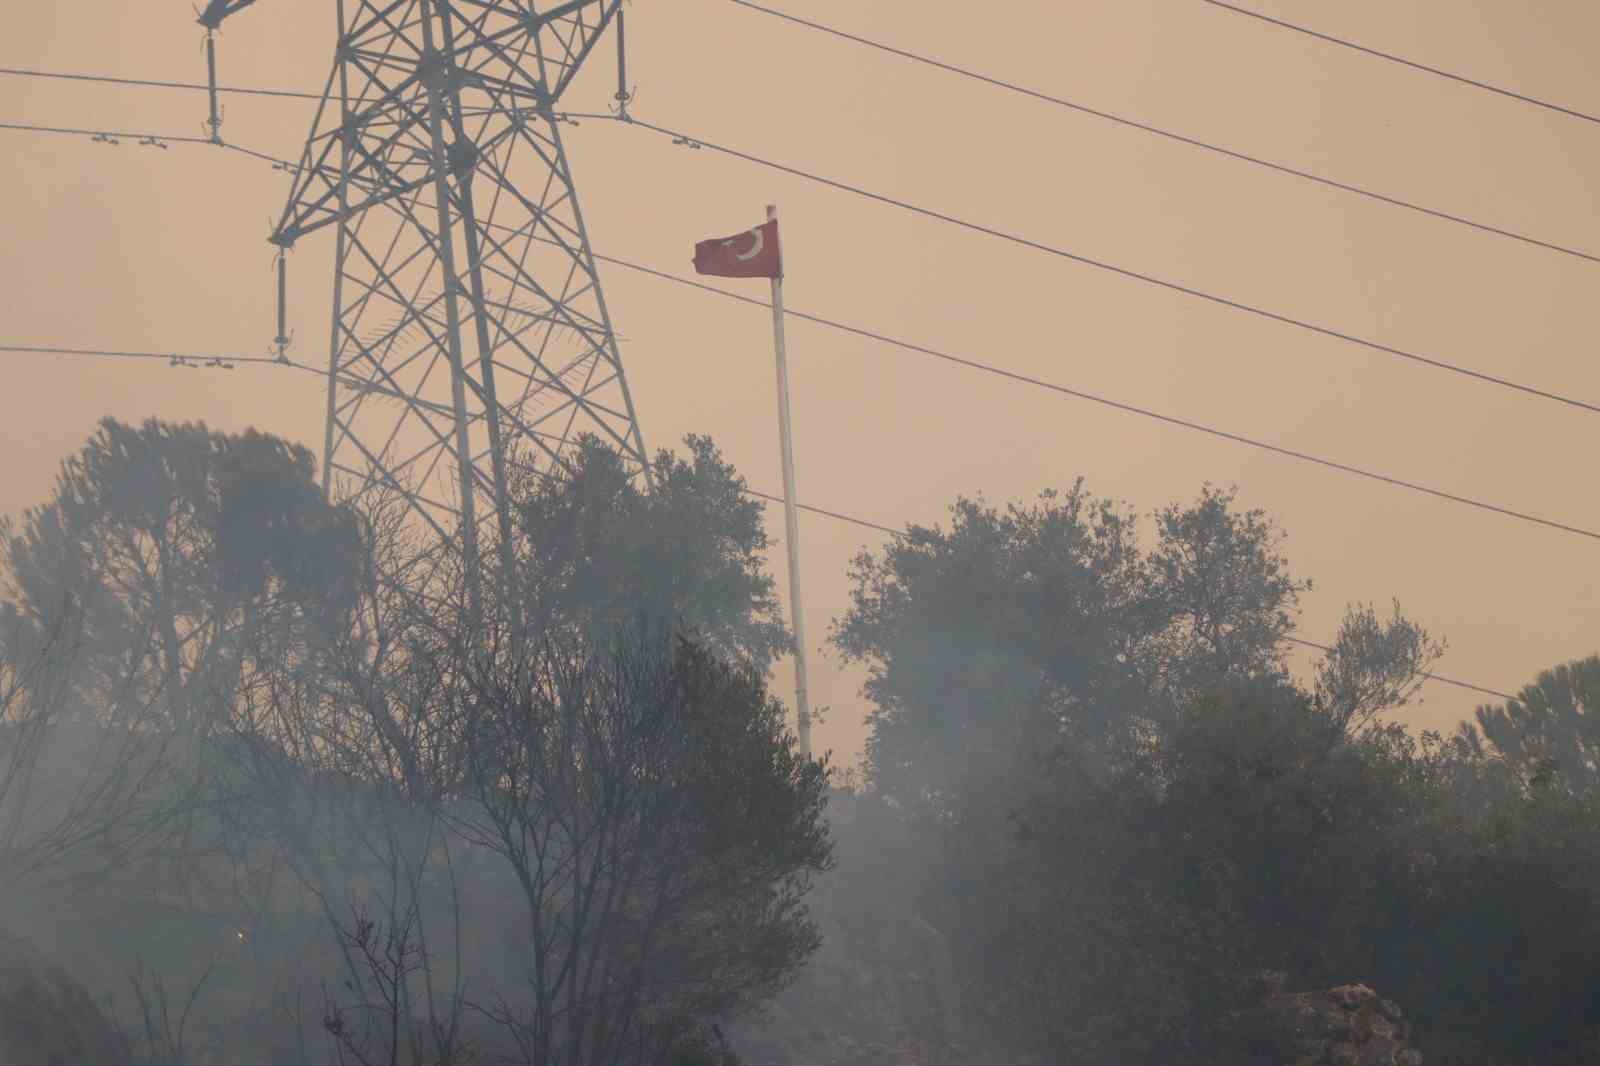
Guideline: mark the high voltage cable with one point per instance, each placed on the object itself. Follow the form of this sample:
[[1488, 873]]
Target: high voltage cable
[[1343, 43], [1433, 677], [1293, 640], [836, 515], [1116, 404], [201, 362], [155, 140], [189, 360], [749, 492], [974, 365], [1063, 389], [150, 84], [214, 360], [1076, 393], [1100, 264], [1193, 142], [175, 139], [160, 139], [829, 514], [1180, 138]]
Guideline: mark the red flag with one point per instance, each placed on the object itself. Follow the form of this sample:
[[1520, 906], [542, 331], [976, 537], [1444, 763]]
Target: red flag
[[751, 254]]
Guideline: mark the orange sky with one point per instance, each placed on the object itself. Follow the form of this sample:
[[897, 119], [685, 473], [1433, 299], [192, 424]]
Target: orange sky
[[131, 247]]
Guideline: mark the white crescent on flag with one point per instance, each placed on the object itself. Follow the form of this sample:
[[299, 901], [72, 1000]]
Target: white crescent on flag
[[755, 250], [751, 253]]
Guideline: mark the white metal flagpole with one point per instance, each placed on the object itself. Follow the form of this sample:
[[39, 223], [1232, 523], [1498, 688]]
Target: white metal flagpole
[[791, 523]]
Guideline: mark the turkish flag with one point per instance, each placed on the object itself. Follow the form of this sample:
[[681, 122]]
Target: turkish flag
[[751, 254]]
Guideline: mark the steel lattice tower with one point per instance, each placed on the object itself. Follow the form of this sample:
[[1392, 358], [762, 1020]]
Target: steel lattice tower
[[469, 323]]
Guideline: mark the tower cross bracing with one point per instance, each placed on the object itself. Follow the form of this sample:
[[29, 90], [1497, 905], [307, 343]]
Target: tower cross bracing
[[469, 327]]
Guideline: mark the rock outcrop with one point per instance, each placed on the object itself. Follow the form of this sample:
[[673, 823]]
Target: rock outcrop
[[1350, 1025], [47, 1018]]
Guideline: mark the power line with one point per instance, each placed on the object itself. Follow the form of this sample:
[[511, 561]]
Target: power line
[[1413, 64], [1115, 404], [1054, 387], [829, 514], [682, 138], [564, 116], [960, 361], [1293, 640], [1076, 393], [215, 360], [1079, 394], [836, 515], [160, 140], [147, 83], [1193, 142], [1100, 264], [228, 360], [154, 140], [1180, 138], [100, 134], [1431, 677], [173, 358], [277, 164]]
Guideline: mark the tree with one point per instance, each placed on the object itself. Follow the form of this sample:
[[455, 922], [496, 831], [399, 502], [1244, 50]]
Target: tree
[[1052, 610], [598, 829], [617, 858], [1373, 667], [662, 829], [1055, 708], [596, 552], [1271, 821], [181, 542], [385, 748], [75, 799], [962, 630], [1551, 731], [1483, 918], [1219, 595]]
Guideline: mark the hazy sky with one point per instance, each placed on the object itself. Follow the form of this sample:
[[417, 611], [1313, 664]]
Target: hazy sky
[[138, 248]]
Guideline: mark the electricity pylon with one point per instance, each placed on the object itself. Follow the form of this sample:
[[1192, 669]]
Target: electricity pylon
[[468, 324]]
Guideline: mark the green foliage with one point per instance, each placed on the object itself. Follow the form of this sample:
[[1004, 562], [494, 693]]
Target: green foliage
[[1552, 730], [1485, 921], [662, 829], [598, 552], [181, 547], [1218, 593], [976, 636], [634, 827], [1260, 833], [1373, 667], [959, 629], [1114, 796], [1271, 821]]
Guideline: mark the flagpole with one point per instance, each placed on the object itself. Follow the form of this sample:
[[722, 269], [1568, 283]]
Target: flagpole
[[791, 521]]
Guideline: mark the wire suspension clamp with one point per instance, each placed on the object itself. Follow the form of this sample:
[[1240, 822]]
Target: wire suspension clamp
[[624, 95], [280, 343], [214, 123]]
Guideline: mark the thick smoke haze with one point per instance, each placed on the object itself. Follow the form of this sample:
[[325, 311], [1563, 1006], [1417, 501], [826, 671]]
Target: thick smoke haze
[[142, 249], [282, 781]]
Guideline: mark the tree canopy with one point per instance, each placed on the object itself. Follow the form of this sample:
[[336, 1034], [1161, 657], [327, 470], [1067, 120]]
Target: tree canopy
[[1052, 609], [1115, 795], [596, 551], [179, 543], [1551, 731]]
